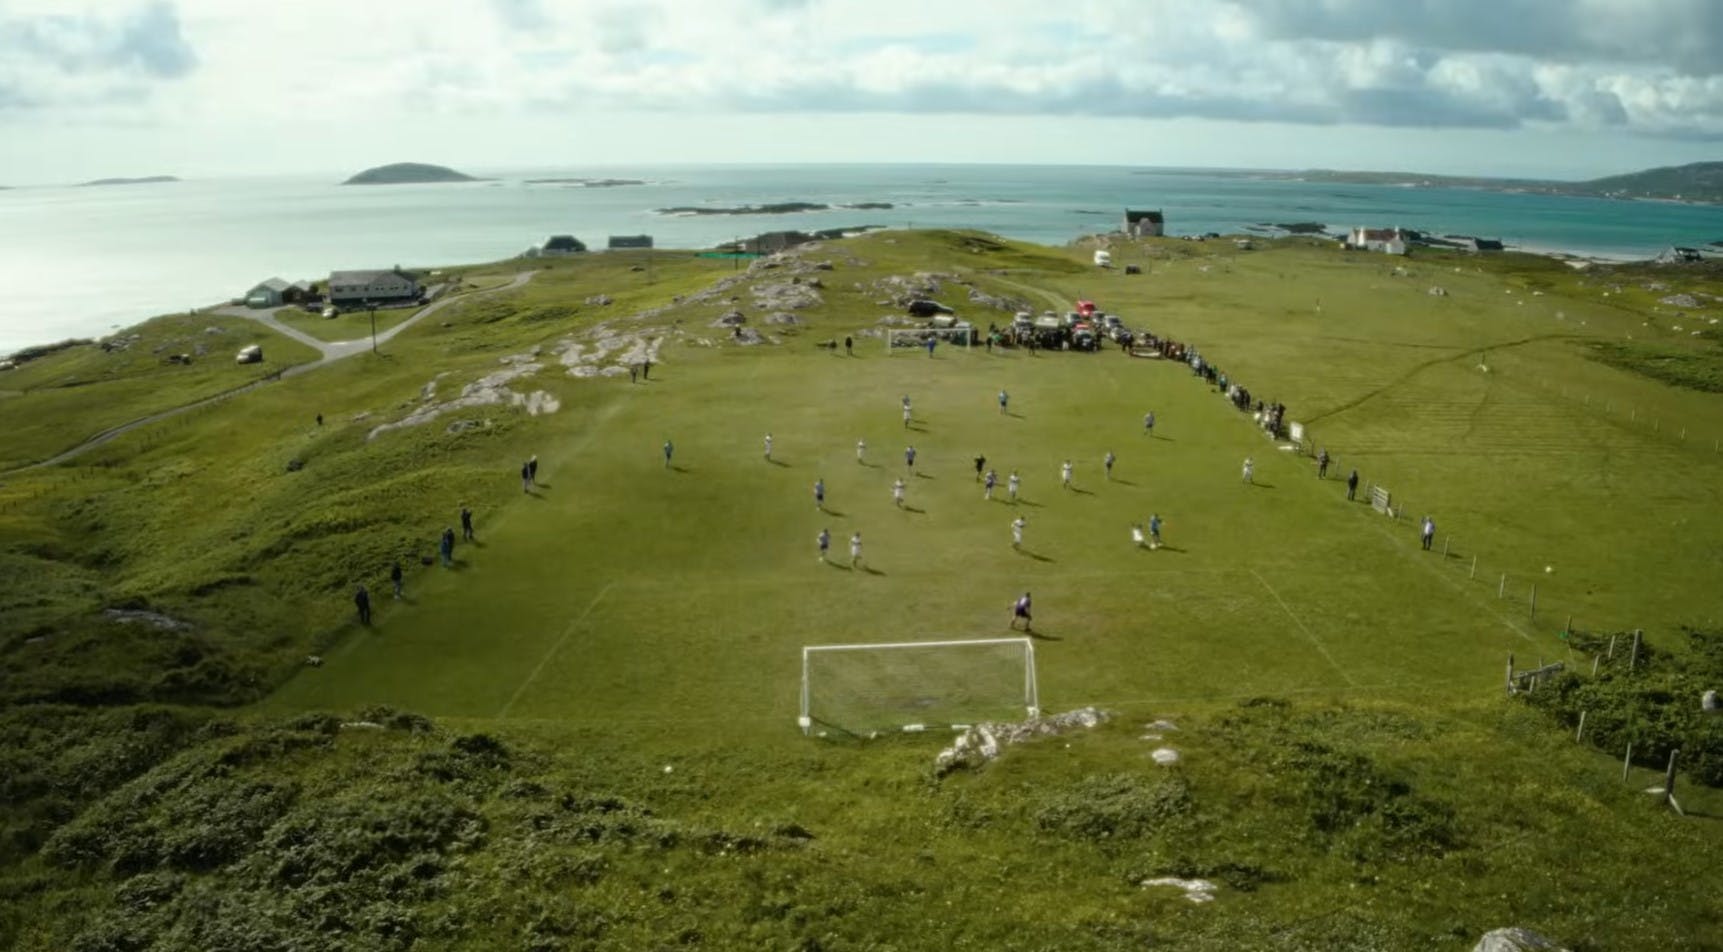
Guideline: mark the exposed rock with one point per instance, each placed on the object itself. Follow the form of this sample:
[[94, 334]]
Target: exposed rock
[[156, 620], [490, 390], [1165, 756], [782, 317], [1008, 305], [1515, 939], [462, 426], [601, 299], [295, 464], [1438, 291], [748, 337], [1196, 890], [730, 319], [1681, 300], [790, 295], [983, 742]]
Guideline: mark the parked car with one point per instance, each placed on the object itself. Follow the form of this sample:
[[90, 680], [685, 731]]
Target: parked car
[[252, 354], [331, 311]]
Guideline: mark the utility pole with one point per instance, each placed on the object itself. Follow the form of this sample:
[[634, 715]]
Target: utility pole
[[372, 307]]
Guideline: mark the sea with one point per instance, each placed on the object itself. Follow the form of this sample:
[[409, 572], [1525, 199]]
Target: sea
[[84, 261]]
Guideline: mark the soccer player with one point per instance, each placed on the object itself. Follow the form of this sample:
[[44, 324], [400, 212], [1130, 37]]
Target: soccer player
[[1012, 484], [855, 550], [909, 457], [1249, 468], [897, 493], [1155, 531], [991, 481], [1065, 475], [1020, 609], [668, 450], [1149, 423], [768, 446], [825, 542], [1429, 533], [1017, 525], [466, 524], [906, 416], [532, 469], [1107, 461], [819, 494], [1352, 486], [861, 450], [1004, 400], [525, 478], [980, 463]]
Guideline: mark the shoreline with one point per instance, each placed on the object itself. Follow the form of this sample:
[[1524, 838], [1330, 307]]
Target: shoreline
[[1576, 258]]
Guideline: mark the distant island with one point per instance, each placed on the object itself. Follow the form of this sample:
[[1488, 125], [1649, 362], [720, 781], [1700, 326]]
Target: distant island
[[586, 182], [146, 180], [1700, 182], [776, 208], [408, 173]]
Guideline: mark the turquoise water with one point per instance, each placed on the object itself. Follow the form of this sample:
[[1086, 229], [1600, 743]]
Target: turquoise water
[[81, 261]]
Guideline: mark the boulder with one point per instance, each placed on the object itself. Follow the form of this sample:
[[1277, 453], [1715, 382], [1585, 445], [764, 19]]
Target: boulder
[[600, 299], [730, 319], [783, 317], [1515, 939]]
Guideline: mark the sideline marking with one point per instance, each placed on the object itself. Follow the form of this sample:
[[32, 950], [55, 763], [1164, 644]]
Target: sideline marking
[[1307, 632], [554, 649]]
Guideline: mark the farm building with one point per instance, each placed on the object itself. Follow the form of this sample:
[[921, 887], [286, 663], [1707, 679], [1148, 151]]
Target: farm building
[[630, 241], [276, 292], [1387, 240]]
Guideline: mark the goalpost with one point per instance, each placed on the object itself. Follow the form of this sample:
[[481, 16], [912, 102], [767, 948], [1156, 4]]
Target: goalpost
[[914, 685], [897, 338]]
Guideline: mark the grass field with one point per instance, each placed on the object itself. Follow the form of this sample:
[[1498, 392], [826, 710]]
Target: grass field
[[625, 639]]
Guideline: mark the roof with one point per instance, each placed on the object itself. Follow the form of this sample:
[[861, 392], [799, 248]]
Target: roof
[[367, 277], [630, 241], [1135, 216], [274, 284], [302, 285]]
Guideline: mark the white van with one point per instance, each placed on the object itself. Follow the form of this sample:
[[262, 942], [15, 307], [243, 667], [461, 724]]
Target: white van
[[1103, 258], [250, 355]]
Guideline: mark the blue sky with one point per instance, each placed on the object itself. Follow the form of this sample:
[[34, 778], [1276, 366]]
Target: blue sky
[[92, 88]]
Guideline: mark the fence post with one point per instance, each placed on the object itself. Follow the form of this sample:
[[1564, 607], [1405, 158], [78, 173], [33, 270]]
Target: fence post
[[1510, 672], [1669, 783], [1594, 660], [1626, 761], [1445, 541], [1579, 734], [1567, 629], [1612, 647], [1633, 659]]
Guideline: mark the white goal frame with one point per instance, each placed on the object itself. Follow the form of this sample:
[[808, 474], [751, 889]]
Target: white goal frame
[[956, 336], [1031, 688]]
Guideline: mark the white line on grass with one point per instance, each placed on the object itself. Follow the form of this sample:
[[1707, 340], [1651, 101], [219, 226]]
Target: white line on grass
[[555, 648], [1307, 632], [1469, 595]]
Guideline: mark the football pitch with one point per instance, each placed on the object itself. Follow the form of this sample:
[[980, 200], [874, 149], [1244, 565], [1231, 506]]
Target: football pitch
[[628, 592]]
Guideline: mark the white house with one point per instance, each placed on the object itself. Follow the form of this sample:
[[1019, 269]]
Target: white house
[[354, 287], [1387, 240]]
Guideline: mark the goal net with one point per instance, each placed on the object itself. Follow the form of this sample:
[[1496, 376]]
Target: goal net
[[897, 339], [860, 688]]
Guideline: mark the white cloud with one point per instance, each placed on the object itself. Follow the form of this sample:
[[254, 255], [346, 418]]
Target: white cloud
[[317, 68]]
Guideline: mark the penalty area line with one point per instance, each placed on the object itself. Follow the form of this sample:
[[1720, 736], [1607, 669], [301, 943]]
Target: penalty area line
[[1307, 632], [576, 623]]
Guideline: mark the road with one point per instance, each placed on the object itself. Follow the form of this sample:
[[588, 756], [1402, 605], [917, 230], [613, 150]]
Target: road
[[331, 352]]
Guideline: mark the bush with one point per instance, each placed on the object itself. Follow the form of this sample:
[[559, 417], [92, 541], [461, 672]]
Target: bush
[[1117, 807]]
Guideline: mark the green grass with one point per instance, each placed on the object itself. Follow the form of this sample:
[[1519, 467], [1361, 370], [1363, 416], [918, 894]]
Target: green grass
[[51, 404], [627, 617]]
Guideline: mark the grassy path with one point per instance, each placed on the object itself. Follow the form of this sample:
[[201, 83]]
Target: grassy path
[[331, 352]]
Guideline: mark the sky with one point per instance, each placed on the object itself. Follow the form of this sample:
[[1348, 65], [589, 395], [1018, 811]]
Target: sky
[[207, 88]]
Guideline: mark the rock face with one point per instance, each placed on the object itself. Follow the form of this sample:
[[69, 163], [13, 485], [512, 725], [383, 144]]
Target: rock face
[[404, 173], [1515, 939]]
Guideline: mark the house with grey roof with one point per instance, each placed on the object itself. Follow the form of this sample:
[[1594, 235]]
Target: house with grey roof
[[380, 287], [271, 293], [1144, 224]]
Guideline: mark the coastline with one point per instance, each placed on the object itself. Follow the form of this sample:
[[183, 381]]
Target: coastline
[[1576, 258]]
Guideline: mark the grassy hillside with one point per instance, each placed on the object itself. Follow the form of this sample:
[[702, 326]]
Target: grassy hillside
[[602, 750]]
